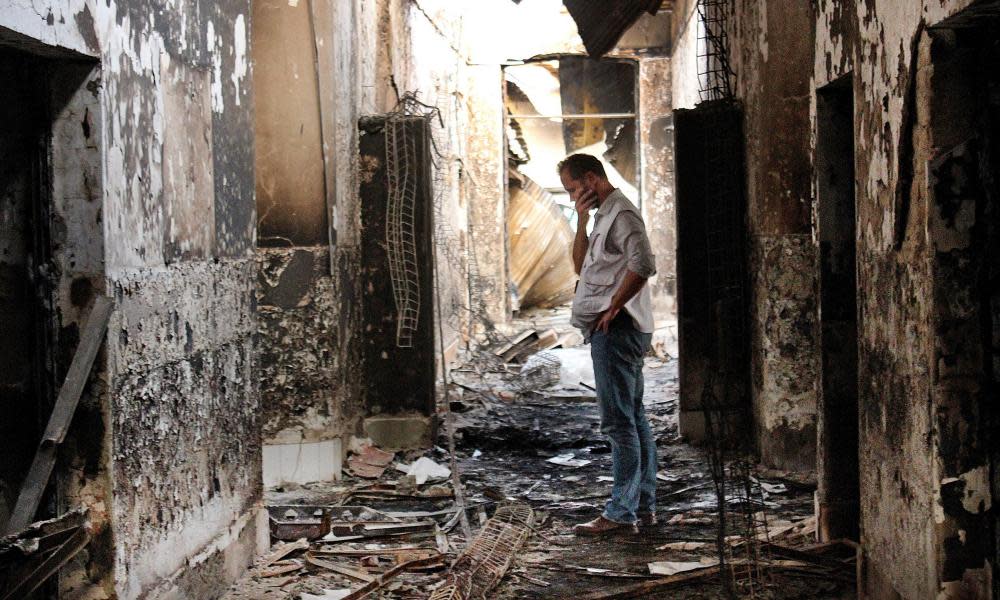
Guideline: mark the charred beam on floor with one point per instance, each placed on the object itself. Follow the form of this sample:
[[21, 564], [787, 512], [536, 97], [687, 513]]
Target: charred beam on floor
[[69, 396]]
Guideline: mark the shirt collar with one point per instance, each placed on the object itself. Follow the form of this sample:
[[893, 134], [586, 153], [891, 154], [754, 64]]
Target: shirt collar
[[608, 203]]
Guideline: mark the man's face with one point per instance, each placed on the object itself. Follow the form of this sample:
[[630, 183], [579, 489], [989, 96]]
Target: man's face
[[576, 187]]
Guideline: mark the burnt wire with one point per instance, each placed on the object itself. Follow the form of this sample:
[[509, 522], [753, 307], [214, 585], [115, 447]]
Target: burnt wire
[[738, 493]]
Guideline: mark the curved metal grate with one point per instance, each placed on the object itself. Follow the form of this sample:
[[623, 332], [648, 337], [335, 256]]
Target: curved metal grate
[[401, 156], [484, 563]]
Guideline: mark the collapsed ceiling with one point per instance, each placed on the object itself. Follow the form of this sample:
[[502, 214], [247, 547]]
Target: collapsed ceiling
[[601, 23]]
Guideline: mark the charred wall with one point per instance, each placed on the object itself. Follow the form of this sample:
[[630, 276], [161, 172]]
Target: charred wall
[[656, 147], [921, 119], [157, 199], [296, 298], [924, 244], [409, 353], [771, 55], [343, 62], [296, 289]]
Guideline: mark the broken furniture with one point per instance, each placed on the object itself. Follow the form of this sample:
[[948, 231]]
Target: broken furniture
[[29, 558]]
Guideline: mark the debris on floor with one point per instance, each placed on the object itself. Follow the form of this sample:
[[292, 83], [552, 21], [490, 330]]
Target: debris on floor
[[32, 556], [370, 462], [532, 462]]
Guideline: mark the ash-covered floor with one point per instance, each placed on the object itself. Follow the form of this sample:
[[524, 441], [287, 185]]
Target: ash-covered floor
[[541, 447]]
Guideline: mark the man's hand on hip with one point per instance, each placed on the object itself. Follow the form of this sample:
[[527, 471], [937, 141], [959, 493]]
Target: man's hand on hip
[[604, 322], [629, 287]]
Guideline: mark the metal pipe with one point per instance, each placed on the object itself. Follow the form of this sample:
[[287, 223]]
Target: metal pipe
[[578, 116]]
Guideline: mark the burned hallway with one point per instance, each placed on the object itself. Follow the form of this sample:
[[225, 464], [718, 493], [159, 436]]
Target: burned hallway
[[286, 291]]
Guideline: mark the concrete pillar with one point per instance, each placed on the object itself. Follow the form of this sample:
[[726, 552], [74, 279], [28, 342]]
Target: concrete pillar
[[485, 168], [656, 148], [772, 80]]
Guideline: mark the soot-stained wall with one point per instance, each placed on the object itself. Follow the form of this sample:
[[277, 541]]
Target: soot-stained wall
[[296, 288], [924, 131], [408, 354], [770, 53], [167, 165], [771, 58], [309, 288], [656, 149], [918, 94]]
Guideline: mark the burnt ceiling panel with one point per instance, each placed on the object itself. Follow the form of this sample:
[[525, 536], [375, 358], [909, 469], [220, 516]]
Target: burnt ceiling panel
[[601, 23]]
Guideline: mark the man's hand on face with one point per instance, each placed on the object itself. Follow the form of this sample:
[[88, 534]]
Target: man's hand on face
[[586, 201], [604, 322]]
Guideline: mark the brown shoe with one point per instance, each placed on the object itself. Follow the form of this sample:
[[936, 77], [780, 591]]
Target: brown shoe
[[647, 519], [602, 526]]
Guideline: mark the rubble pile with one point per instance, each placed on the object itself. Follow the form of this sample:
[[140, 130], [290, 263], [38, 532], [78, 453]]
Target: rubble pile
[[532, 463]]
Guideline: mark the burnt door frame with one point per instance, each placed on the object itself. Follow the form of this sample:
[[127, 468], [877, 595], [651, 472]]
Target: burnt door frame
[[964, 243], [838, 492], [713, 303]]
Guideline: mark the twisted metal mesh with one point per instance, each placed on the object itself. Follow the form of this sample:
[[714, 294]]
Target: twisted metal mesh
[[485, 561], [454, 255], [739, 535], [714, 72], [539, 372], [401, 156]]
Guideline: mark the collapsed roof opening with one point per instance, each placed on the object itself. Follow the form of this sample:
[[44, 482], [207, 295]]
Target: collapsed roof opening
[[601, 23], [556, 108]]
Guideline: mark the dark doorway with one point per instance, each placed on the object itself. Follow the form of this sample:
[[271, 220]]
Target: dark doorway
[[26, 373], [837, 432], [963, 173], [51, 270], [712, 241]]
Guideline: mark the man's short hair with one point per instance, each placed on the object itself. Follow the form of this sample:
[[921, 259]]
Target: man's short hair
[[580, 164]]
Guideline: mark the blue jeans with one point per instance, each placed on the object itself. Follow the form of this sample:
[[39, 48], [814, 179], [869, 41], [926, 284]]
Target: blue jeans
[[618, 356]]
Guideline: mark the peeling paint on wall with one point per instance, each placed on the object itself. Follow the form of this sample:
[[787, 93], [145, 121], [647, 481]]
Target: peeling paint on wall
[[785, 353], [656, 143], [917, 360], [180, 424]]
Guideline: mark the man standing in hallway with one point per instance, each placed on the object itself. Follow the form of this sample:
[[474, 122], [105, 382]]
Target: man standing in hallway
[[613, 309]]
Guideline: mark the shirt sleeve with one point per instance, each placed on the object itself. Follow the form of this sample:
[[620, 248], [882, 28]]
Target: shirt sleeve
[[629, 234]]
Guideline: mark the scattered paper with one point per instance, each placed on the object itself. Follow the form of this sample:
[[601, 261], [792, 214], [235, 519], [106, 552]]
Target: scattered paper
[[327, 595], [685, 546], [773, 488], [669, 567], [567, 460], [477, 454], [424, 470]]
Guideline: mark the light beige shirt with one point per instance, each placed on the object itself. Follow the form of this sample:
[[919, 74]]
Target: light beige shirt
[[618, 242]]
